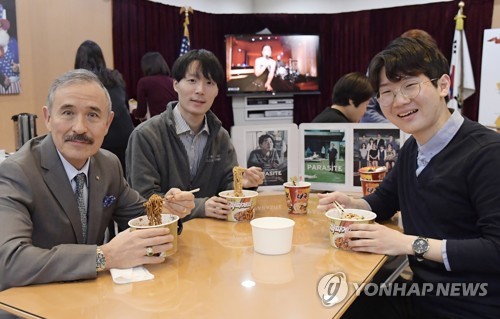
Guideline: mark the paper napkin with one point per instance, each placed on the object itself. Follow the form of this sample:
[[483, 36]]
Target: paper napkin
[[128, 275]]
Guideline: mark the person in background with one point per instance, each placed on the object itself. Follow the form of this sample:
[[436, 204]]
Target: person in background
[[155, 89], [45, 234], [445, 183], [186, 146], [373, 112], [89, 56], [349, 100]]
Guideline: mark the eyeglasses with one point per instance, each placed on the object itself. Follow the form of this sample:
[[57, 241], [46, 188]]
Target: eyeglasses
[[409, 90]]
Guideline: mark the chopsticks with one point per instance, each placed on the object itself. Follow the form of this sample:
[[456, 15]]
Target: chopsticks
[[339, 207], [194, 190], [170, 197]]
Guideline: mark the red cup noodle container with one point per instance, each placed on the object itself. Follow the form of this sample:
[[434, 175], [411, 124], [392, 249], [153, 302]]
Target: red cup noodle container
[[297, 197], [371, 177], [369, 186]]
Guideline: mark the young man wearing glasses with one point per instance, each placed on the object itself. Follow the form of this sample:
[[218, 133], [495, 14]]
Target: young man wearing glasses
[[445, 183]]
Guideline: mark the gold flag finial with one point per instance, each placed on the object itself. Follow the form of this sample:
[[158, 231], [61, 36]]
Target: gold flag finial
[[186, 11], [459, 18]]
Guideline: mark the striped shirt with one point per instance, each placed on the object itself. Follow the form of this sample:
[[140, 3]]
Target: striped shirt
[[193, 143]]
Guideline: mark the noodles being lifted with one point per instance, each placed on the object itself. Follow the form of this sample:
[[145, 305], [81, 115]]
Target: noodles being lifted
[[154, 207], [238, 180]]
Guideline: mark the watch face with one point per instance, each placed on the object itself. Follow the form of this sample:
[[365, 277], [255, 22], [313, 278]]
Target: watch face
[[420, 246]]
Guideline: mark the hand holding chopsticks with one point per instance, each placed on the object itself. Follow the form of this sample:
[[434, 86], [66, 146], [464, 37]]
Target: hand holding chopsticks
[[339, 207], [180, 203], [170, 197]]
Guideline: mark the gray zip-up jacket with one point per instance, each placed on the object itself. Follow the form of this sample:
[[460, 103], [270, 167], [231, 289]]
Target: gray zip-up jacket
[[156, 160]]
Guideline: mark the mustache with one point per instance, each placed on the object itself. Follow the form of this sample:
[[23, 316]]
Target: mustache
[[80, 138]]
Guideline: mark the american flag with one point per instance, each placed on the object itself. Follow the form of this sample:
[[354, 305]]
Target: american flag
[[185, 43], [185, 46]]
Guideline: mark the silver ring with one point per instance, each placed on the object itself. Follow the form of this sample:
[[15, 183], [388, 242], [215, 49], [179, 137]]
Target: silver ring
[[149, 251]]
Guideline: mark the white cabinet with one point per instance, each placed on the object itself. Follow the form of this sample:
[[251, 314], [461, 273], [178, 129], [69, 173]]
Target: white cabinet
[[248, 110]]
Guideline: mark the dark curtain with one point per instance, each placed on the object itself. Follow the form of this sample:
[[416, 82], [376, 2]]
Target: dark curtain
[[347, 40]]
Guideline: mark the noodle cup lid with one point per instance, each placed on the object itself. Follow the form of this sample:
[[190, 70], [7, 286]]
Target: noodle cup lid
[[297, 184], [142, 222], [370, 173], [373, 169], [335, 214]]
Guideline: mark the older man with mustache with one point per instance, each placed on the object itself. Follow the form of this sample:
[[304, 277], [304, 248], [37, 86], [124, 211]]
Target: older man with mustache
[[59, 192]]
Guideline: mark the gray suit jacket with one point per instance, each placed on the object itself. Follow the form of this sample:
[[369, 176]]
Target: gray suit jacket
[[40, 229]]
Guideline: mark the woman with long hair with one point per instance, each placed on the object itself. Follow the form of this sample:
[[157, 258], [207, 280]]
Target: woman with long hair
[[89, 56], [155, 89]]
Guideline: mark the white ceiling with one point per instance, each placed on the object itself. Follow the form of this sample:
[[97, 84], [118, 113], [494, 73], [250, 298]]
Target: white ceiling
[[290, 6]]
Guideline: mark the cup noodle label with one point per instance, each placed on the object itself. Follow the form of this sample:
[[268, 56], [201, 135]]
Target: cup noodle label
[[296, 198], [338, 229], [242, 210]]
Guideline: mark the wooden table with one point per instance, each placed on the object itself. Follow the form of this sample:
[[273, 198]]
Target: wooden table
[[215, 274]]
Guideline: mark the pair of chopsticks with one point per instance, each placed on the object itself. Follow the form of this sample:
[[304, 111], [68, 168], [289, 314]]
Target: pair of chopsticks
[[339, 207], [170, 197]]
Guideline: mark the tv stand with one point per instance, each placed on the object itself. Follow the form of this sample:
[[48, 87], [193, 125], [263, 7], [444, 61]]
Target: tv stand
[[263, 109]]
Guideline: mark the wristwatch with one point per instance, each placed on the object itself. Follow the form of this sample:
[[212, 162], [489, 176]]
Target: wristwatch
[[100, 260], [420, 247]]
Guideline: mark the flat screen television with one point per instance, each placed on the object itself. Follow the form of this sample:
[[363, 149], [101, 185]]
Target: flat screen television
[[272, 64]]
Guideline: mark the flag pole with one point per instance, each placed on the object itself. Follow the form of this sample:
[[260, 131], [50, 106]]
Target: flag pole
[[186, 11], [459, 18]]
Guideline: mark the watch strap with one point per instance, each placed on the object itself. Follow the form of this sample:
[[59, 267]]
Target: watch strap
[[100, 260]]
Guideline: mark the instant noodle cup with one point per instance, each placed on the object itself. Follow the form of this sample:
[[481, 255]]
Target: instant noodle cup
[[340, 222], [242, 208], [371, 177], [167, 220], [297, 197]]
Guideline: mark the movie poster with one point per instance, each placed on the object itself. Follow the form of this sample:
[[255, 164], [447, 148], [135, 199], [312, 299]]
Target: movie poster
[[268, 150], [375, 147], [324, 156], [9, 50]]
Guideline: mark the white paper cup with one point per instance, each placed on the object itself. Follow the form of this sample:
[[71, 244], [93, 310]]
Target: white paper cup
[[167, 220], [272, 235]]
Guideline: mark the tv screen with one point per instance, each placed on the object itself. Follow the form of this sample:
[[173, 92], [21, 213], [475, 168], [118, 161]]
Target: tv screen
[[268, 63]]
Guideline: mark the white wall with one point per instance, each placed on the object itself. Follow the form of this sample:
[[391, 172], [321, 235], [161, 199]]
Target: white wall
[[290, 6]]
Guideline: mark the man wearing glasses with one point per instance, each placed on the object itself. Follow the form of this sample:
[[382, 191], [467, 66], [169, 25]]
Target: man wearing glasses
[[445, 183]]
